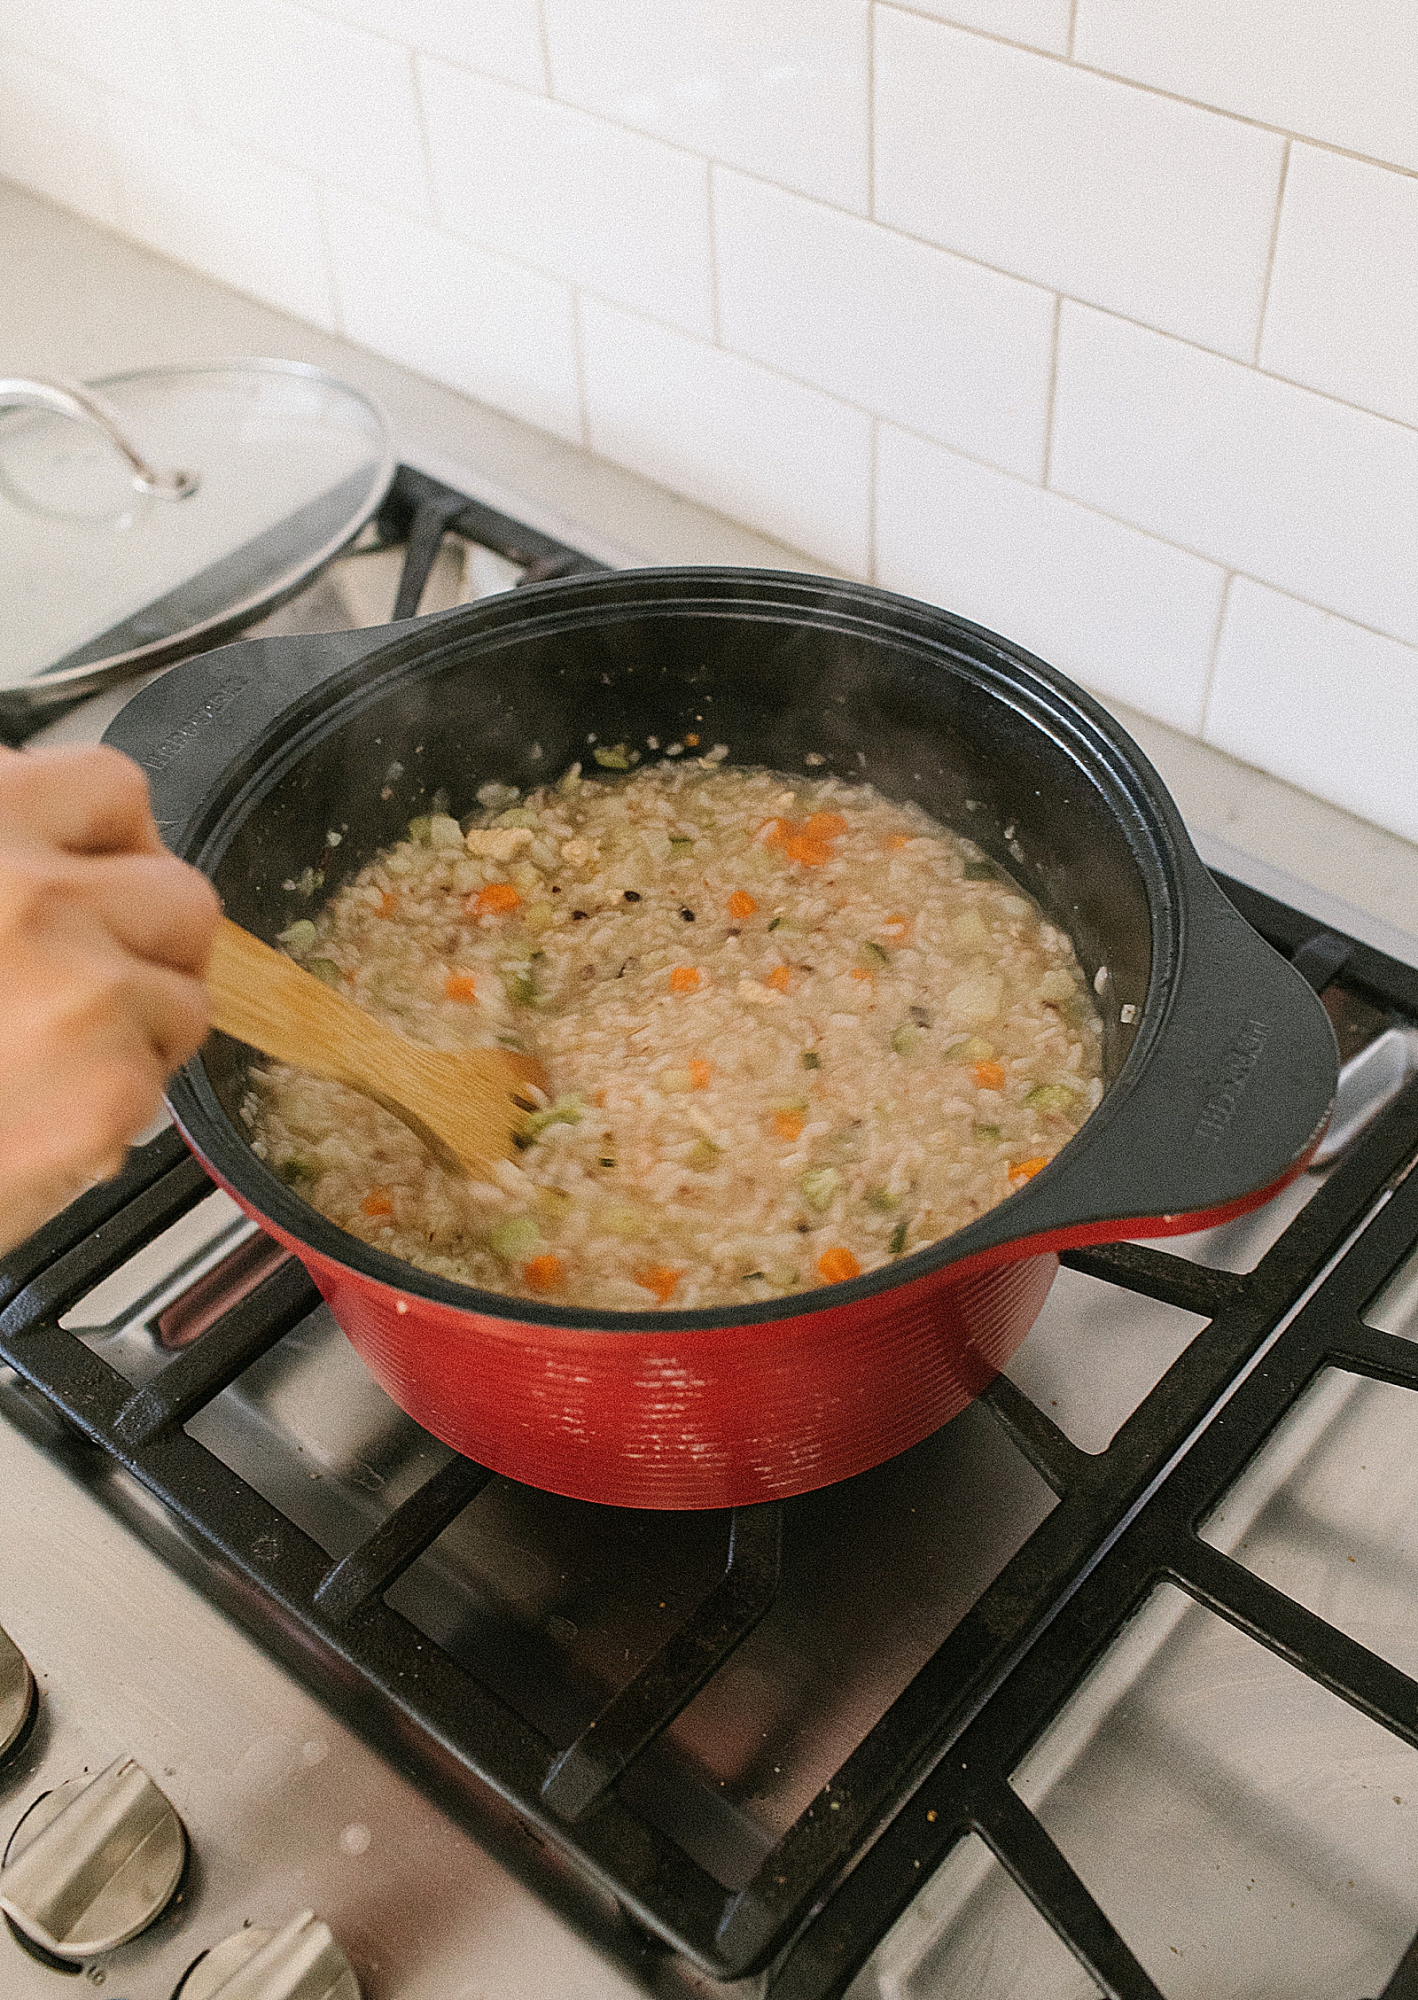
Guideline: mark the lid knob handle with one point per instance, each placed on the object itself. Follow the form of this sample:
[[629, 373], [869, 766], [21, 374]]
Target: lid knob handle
[[73, 399]]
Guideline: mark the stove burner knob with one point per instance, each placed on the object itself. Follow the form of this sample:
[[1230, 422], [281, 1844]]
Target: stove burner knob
[[93, 1863], [299, 1962], [18, 1695]]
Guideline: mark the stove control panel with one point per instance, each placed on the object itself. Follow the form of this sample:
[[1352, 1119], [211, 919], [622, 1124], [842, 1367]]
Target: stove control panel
[[301, 1961], [93, 1863], [17, 1697]]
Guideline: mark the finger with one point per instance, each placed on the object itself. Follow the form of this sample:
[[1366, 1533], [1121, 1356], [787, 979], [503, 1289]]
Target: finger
[[96, 1000], [154, 905], [87, 799], [76, 1125]]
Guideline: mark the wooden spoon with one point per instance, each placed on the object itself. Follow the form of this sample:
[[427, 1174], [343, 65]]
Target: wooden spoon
[[466, 1108]]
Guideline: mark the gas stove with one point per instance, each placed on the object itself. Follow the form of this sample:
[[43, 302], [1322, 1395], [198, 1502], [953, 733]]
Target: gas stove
[[1105, 1688]]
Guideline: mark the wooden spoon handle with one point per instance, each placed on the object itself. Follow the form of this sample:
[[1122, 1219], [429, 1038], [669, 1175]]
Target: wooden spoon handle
[[264, 998]]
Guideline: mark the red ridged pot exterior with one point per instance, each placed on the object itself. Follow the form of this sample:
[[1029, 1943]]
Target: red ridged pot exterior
[[708, 1417]]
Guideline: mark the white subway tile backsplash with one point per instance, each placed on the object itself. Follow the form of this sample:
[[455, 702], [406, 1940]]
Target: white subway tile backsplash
[[762, 449], [1271, 479], [498, 332], [1126, 615], [610, 209], [1344, 73], [250, 222], [1343, 301], [1042, 24], [313, 92], [1158, 210], [123, 45], [1319, 702], [500, 37], [776, 86], [942, 345], [52, 136]]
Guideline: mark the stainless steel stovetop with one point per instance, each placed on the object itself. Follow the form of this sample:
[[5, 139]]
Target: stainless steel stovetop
[[1248, 1831]]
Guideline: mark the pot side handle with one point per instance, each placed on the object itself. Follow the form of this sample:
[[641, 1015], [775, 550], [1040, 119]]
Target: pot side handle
[[208, 719], [1230, 1103]]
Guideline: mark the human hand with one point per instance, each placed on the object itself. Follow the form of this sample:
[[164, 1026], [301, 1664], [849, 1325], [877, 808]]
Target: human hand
[[104, 938]]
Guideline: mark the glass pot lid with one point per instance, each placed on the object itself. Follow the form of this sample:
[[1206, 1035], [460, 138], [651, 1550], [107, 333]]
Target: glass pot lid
[[152, 512]]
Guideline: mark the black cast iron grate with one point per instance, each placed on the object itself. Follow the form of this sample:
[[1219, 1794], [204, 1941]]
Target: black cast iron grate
[[937, 1765]]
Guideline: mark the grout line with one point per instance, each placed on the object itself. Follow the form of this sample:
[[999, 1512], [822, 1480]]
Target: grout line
[[337, 304], [1052, 392], [544, 36], [1156, 90], [430, 184], [872, 464], [1151, 535], [1270, 257], [1072, 27], [715, 319], [1210, 683], [871, 110], [582, 398]]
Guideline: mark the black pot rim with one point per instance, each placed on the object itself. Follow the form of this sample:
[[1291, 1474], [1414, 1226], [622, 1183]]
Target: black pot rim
[[277, 699]]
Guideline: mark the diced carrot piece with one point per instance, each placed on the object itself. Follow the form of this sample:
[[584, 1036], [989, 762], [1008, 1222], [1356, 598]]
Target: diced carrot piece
[[989, 1075], [780, 978], [825, 826], [659, 1279], [788, 1125], [897, 841], [802, 847], [497, 899], [838, 1264], [545, 1273], [691, 739], [774, 832], [699, 1073], [1026, 1170], [460, 986], [377, 1202], [684, 979], [897, 928], [862, 972], [741, 904], [388, 904]]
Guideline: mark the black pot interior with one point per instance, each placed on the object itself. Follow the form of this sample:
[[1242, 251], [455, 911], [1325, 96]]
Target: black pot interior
[[922, 707]]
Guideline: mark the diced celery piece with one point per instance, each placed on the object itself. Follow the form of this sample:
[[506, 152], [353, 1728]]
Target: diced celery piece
[[882, 1200], [616, 757], [1050, 1097], [704, 1156], [906, 1039], [418, 829], [898, 1239], [517, 1238], [298, 938], [325, 970], [873, 953], [811, 1059], [819, 1185]]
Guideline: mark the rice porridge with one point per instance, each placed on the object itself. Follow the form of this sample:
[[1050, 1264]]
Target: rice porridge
[[792, 1029]]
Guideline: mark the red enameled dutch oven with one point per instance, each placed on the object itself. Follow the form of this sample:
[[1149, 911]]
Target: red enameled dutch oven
[[1219, 1061]]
